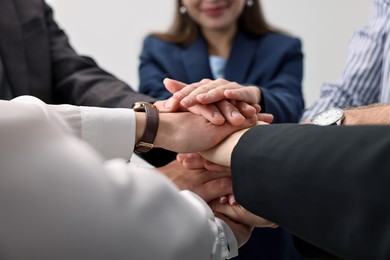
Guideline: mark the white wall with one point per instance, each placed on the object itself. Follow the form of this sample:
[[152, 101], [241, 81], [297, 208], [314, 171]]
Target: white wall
[[112, 31]]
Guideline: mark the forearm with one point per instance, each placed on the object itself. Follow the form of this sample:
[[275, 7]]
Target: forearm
[[221, 154], [376, 114]]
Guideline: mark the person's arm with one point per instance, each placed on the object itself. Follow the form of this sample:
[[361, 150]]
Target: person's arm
[[376, 114], [78, 80], [360, 81], [64, 195], [326, 185]]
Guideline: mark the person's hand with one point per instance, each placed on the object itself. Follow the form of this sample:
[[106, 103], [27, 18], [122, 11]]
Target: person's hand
[[209, 185], [241, 231], [212, 91], [196, 161], [239, 214], [187, 132], [233, 111]]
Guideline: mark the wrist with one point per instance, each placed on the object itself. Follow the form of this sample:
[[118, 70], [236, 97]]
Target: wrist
[[149, 123], [140, 125], [165, 133]]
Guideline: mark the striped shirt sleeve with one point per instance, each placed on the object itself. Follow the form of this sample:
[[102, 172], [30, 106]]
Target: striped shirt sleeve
[[362, 79]]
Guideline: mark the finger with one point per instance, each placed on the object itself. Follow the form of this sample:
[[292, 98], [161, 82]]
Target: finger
[[258, 108], [168, 105], [232, 200], [210, 112], [193, 163], [172, 85], [216, 91], [212, 96], [223, 200], [204, 87], [250, 95], [230, 113], [267, 118], [215, 167], [187, 90], [214, 189], [246, 109], [181, 157], [273, 225]]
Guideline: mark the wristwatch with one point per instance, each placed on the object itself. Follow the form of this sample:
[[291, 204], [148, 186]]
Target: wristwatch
[[152, 120], [332, 116]]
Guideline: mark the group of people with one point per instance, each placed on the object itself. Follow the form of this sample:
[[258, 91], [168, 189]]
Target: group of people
[[219, 77]]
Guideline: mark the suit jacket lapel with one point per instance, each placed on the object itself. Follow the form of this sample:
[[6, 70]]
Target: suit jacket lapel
[[241, 57], [12, 49], [196, 61]]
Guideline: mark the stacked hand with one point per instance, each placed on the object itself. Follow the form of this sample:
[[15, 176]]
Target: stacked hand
[[216, 100], [214, 115], [229, 207]]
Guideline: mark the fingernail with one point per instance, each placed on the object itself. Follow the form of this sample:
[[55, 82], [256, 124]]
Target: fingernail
[[235, 113], [232, 201], [222, 200]]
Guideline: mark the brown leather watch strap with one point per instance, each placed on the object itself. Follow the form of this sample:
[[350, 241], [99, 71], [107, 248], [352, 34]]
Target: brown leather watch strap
[[151, 127]]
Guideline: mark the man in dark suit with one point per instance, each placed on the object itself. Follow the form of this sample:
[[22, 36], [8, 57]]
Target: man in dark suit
[[328, 185]]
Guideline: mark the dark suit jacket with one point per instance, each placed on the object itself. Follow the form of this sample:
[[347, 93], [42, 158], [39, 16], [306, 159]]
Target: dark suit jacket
[[39, 61], [327, 185], [273, 62]]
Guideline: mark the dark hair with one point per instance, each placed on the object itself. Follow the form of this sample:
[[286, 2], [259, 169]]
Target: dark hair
[[184, 30]]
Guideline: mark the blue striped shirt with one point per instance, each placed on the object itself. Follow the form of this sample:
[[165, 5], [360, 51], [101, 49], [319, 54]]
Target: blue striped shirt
[[366, 76]]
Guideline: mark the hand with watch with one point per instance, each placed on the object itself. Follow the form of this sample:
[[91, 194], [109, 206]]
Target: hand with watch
[[179, 131], [329, 117]]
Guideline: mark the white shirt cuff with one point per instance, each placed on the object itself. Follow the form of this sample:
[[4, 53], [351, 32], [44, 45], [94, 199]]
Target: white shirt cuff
[[109, 130]]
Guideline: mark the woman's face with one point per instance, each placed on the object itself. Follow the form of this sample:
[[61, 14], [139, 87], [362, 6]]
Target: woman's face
[[214, 14]]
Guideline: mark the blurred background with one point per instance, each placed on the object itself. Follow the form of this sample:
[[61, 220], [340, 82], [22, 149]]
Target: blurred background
[[112, 32]]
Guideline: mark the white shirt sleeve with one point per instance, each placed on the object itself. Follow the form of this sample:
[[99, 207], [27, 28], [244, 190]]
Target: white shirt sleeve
[[111, 131]]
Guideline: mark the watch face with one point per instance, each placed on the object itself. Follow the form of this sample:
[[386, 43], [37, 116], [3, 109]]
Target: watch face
[[328, 117]]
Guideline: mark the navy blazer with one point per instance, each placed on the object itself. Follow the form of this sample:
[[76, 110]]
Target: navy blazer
[[39, 61], [274, 62]]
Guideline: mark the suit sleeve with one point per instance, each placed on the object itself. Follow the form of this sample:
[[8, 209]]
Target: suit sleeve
[[79, 80], [327, 185], [282, 95]]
